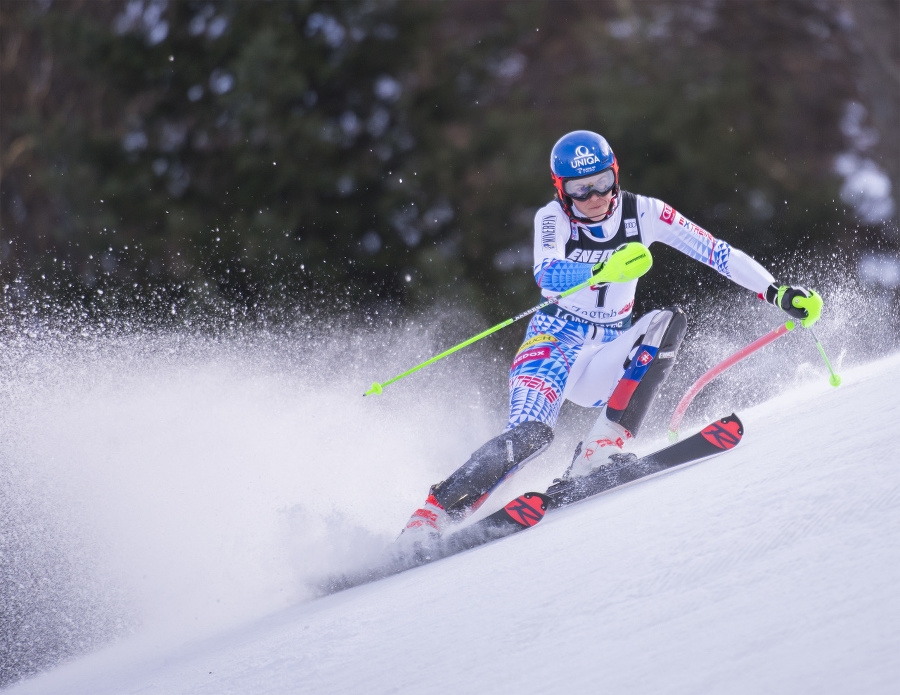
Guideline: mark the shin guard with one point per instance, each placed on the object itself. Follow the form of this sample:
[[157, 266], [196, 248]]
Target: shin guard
[[647, 370], [470, 485]]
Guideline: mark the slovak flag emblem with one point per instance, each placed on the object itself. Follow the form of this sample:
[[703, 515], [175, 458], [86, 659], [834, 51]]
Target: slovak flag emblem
[[644, 358]]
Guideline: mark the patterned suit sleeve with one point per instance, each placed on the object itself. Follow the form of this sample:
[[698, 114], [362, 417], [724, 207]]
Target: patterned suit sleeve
[[552, 271], [665, 224]]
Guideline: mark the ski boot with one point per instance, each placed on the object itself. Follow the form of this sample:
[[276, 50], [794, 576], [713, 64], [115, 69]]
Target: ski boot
[[602, 447], [604, 444], [423, 529]]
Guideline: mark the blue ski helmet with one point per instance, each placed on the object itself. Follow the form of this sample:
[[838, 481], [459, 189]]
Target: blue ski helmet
[[579, 154]]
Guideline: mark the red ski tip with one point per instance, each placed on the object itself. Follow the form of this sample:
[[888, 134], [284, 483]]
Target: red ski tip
[[726, 433], [527, 509]]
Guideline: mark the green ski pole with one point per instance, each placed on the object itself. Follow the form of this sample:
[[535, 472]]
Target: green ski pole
[[628, 263], [834, 379]]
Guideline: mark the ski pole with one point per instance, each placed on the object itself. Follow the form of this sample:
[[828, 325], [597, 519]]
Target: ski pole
[[627, 263], [834, 379], [682, 407]]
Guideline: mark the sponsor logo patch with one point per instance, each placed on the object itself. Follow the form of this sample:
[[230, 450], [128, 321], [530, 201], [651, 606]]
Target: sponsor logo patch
[[532, 382], [539, 338], [540, 353], [588, 256], [668, 214], [666, 355], [695, 228], [631, 228], [584, 157], [548, 232]]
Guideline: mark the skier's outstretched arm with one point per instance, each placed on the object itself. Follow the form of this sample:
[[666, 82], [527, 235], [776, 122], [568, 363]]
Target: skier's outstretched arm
[[667, 225]]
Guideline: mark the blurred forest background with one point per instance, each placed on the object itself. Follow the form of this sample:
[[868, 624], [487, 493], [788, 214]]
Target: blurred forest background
[[216, 165], [207, 154]]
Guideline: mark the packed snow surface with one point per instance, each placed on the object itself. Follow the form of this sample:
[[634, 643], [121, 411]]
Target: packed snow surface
[[772, 568]]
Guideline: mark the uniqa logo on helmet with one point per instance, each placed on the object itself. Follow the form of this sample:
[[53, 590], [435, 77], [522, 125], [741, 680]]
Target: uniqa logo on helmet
[[583, 158]]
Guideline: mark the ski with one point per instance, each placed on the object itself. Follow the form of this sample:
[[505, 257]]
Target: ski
[[716, 438], [528, 509], [521, 513]]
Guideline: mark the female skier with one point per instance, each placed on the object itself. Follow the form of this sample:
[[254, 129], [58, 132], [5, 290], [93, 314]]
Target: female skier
[[587, 348]]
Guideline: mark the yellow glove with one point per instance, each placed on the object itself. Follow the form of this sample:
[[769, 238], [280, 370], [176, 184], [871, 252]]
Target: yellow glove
[[797, 302]]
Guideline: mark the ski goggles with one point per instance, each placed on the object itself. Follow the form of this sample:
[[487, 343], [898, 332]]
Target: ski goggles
[[584, 187]]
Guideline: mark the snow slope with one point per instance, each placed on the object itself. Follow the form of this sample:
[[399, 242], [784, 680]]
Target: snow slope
[[773, 568]]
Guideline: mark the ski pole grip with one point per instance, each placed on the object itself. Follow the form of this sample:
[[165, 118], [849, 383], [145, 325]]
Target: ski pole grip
[[627, 263]]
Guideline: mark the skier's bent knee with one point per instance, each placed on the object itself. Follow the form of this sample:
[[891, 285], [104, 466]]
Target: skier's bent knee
[[467, 488]]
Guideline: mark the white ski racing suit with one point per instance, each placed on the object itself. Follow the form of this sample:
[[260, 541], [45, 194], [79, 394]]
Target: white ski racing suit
[[576, 349]]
